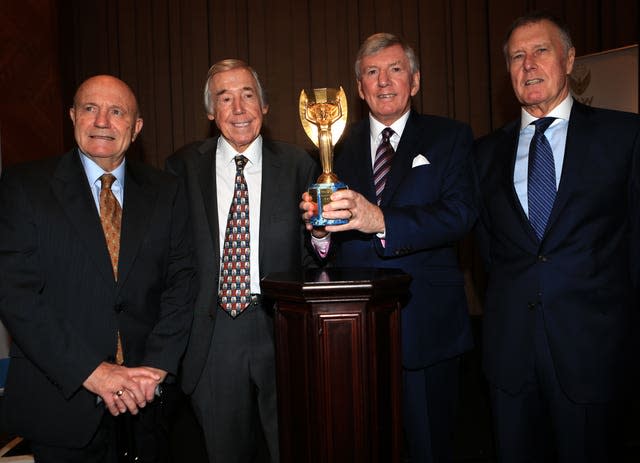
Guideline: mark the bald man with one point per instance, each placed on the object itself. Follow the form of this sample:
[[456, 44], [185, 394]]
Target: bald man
[[96, 288]]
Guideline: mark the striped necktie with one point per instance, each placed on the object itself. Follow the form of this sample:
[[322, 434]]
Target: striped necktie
[[382, 162], [541, 187]]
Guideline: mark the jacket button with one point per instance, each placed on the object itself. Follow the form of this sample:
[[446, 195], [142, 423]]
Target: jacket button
[[542, 258], [119, 308], [531, 305]]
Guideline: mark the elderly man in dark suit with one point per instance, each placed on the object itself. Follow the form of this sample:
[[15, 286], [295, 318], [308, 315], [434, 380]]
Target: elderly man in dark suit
[[560, 191], [96, 287], [411, 197], [242, 194]]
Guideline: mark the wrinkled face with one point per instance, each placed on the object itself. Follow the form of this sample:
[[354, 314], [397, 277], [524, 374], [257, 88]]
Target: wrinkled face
[[387, 84], [539, 66], [105, 120], [237, 110]]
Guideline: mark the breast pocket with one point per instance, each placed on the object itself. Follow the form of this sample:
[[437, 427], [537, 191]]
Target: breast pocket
[[421, 184]]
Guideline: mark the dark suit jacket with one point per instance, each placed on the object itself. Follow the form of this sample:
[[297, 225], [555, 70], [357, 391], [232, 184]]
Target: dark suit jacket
[[287, 171], [59, 299], [427, 209], [579, 275]]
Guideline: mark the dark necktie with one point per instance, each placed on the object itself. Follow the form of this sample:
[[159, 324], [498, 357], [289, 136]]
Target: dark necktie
[[111, 219], [541, 187], [235, 281], [382, 162]]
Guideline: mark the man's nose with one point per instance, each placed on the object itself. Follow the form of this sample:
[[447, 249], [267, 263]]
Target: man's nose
[[383, 79], [102, 118]]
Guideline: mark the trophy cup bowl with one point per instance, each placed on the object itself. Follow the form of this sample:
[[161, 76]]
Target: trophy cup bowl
[[323, 116]]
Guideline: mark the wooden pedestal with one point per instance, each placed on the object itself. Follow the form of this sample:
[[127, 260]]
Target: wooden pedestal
[[338, 364]]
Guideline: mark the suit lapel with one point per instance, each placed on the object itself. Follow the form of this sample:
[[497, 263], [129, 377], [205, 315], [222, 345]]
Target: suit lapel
[[271, 177], [401, 165], [508, 155], [206, 169], [139, 204], [361, 179], [70, 186], [576, 147]]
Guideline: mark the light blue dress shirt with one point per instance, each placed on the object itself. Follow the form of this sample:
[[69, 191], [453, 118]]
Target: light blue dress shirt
[[94, 172], [557, 136]]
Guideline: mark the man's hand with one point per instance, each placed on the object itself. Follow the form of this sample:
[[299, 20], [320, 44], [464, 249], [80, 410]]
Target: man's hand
[[309, 209], [363, 215], [119, 386], [148, 384]]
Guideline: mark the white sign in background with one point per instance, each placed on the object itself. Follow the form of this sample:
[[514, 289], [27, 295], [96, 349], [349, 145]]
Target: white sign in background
[[608, 79]]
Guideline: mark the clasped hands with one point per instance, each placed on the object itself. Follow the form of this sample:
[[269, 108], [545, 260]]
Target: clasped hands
[[363, 215], [122, 388]]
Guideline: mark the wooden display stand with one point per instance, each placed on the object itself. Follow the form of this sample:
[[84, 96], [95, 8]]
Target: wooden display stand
[[338, 364]]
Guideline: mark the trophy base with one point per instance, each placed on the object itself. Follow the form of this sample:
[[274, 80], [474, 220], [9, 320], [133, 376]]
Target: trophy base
[[321, 194]]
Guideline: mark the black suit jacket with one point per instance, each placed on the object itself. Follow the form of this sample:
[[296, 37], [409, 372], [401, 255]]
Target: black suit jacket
[[427, 209], [580, 275], [59, 299], [287, 171]]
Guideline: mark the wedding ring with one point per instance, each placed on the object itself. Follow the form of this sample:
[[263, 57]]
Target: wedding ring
[[119, 392]]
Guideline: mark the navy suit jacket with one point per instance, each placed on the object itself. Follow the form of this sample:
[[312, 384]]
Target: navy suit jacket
[[287, 171], [427, 209], [61, 303], [581, 274]]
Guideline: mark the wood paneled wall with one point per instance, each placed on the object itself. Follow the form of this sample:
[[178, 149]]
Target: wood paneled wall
[[31, 109], [163, 49]]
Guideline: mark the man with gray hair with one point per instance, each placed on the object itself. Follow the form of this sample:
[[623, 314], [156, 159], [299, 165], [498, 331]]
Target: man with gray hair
[[560, 189], [242, 193], [410, 198]]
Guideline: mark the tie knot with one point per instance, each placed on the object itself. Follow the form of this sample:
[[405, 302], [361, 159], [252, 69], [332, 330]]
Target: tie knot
[[543, 123], [241, 161], [386, 134], [107, 180]]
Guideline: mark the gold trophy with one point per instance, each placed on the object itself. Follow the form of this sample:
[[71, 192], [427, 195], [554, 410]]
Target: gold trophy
[[323, 118]]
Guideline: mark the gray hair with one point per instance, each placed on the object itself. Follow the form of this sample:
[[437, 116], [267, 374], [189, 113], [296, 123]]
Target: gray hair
[[228, 65], [535, 18], [376, 42]]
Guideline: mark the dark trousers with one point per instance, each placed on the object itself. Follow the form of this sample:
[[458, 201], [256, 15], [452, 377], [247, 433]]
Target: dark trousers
[[430, 396], [235, 400], [143, 438], [541, 424]]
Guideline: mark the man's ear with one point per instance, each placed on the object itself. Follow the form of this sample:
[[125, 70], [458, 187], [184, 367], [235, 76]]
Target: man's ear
[[415, 83]]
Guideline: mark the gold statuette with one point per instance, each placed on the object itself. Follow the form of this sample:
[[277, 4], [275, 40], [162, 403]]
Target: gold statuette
[[323, 117]]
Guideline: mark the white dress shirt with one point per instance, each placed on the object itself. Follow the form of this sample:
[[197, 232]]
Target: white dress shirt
[[225, 183]]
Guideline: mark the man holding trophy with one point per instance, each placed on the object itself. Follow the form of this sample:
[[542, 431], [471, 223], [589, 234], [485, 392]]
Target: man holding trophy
[[410, 198]]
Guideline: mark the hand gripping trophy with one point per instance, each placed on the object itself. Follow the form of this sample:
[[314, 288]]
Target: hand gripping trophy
[[323, 117]]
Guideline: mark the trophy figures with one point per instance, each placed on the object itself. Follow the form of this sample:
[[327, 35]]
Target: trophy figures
[[323, 117]]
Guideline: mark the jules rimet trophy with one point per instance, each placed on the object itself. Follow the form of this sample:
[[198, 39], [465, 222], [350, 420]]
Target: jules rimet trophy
[[323, 115]]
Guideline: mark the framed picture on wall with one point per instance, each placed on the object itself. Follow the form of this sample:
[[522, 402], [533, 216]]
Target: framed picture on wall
[[608, 79]]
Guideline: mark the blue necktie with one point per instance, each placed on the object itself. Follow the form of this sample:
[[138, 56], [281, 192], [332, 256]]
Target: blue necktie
[[542, 177]]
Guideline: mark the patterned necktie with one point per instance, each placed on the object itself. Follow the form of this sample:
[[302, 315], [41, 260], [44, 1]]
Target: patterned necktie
[[235, 282], [541, 185], [111, 219], [382, 163]]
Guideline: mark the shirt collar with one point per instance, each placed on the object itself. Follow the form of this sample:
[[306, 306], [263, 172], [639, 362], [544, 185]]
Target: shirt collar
[[94, 171], [560, 112], [253, 152], [376, 127]]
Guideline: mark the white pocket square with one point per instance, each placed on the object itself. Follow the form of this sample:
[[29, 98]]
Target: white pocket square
[[419, 160]]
